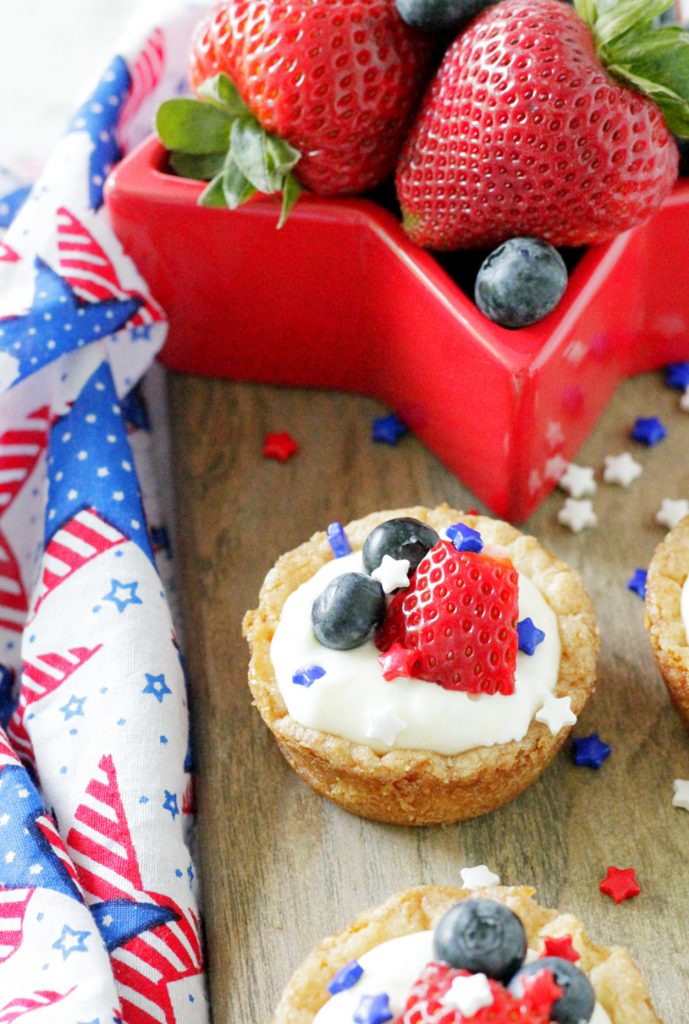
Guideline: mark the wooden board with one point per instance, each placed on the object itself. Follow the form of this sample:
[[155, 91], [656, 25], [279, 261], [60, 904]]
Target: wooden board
[[281, 866]]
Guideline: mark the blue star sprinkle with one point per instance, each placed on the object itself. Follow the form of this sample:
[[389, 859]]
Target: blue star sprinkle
[[337, 539], [530, 636], [388, 429], [637, 583], [157, 686], [73, 707], [71, 941], [677, 376], [590, 751], [464, 538], [373, 1010], [648, 431], [345, 978], [123, 594], [308, 676], [120, 920], [170, 804]]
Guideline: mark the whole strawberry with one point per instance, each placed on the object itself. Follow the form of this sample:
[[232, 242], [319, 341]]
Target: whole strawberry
[[523, 131]]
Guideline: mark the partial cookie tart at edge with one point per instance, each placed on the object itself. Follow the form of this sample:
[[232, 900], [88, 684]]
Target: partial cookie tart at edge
[[667, 574], [421, 787], [617, 982]]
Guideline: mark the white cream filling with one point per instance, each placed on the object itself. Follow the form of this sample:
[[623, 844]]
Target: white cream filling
[[353, 693], [392, 968], [684, 607]]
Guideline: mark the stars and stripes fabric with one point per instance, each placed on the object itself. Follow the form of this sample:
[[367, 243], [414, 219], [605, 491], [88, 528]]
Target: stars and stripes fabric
[[99, 916]]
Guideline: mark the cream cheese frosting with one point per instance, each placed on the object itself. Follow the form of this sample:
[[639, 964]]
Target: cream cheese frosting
[[353, 700]]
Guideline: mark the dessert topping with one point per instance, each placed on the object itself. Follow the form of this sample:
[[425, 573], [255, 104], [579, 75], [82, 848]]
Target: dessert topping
[[556, 713], [529, 636], [337, 539], [590, 751], [620, 884], [560, 946], [637, 582], [648, 430], [388, 429]]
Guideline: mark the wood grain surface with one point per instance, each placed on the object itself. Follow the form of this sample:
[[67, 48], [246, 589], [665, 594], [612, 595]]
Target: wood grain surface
[[281, 866]]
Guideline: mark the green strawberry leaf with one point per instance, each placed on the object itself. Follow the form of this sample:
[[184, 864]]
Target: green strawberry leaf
[[264, 159], [200, 166], [220, 91], [214, 194], [236, 187], [291, 190], [615, 18], [193, 127]]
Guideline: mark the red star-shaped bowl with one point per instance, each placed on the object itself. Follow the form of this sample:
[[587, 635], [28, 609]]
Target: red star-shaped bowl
[[340, 298]]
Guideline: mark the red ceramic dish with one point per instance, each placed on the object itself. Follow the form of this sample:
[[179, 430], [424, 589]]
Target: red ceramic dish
[[340, 298]]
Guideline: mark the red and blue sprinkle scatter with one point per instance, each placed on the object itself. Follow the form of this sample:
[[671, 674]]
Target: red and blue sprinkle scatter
[[464, 538], [620, 884], [345, 978], [373, 1010], [397, 661], [590, 751], [529, 635], [561, 946], [637, 583], [677, 376], [337, 539], [388, 429], [648, 430], [308, 676], [281, 447]]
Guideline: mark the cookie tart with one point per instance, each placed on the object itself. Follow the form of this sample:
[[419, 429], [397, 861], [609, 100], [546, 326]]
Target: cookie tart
[[421, 665], [667, 613], [435, 955]]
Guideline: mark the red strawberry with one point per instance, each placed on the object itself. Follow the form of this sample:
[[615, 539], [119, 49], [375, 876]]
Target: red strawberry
[[460, 613], [524, 132]]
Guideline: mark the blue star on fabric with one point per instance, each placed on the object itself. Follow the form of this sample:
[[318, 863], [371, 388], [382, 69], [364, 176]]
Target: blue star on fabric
[[637, 582], [157, 686], [90, 464], [388, 429], [648, 430], [71, 941], [308, 676], [373, 1010], [11, 204], [98, 117], [530, 636], [73, 707], [677, 375], [118, 921], [170, 804], [337, 539], [464, 538], [141, 332], [57, 322], [345, 978], [590, 751], [118, 589]]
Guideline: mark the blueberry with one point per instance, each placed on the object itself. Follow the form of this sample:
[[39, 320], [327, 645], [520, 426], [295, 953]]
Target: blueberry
[[439, 15], [576, 1004], [481, 936], [348, 611], [520, 282], [399, 538]]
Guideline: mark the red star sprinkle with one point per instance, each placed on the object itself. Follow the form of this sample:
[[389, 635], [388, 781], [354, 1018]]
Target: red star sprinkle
[[397, 661], [540, 992], [620, 884], [562, 947], [280, 447]]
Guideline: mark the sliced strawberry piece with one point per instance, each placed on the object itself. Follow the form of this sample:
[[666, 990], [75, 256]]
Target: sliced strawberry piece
[[460, 614]]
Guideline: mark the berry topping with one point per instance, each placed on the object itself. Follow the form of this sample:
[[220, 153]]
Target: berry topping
[[460, 614], [483, 936], [561, 946], [338, 541], [345, 978], [578, 1000], [520, 282], [439, 15], [529, 636], [348, 611], [398, 661], [399, 538], [464, 538], [620, 884]]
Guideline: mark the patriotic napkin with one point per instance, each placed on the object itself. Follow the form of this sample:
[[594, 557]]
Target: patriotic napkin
[[98, 910]]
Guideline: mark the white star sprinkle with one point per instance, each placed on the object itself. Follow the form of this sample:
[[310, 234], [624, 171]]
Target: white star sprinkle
[[556, 713], [392, 573], [577, 515], [681, 797], [479, 877], [684, 401], [468, 994], [555, 467], [621, 469], [672, 512], [383, 724], [577, 481]]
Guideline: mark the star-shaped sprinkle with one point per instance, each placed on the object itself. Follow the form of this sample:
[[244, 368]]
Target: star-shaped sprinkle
[[337, 539], [373, 1009], [684, 401], [554, 467], [479, 877], [71, 941], [648, 430], [620, 884], [280, 446], [157, 686], [388, 429], [671, 512], [398, 661], [577, 481], [73, 707], [345, 978], [621, 469], [392, 573], [123, 594], [681, 794], [677, 375], [307, 676], [529, 636], [170, 804], [556, 713], [637, 582], [384, 724], [464, 538], [577, 515], [560, 946], [468, 994], [590, 751]]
